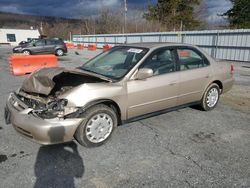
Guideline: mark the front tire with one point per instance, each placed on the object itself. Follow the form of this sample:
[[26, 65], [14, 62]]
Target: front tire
[[96, 128], [211, 97], [26, 52], [59, 52]]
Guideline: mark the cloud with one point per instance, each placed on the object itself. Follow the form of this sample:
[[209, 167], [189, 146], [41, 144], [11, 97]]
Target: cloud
[[216, 8], [93, 7], [10, 9], [61, 8], [86, 8]]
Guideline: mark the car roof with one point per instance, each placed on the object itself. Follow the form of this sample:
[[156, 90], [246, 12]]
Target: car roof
[[155, 44]]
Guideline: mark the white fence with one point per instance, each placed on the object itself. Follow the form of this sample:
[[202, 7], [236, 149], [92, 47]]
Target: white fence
[[231, 45]]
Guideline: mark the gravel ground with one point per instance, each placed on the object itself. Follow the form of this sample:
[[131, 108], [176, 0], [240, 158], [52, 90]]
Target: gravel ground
[[183, 148]]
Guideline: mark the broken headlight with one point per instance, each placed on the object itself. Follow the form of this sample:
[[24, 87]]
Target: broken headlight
[[53, 109], [57, 105]]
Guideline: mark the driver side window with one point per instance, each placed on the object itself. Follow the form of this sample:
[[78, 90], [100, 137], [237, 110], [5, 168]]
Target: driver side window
[[40, 43], [160, 62]]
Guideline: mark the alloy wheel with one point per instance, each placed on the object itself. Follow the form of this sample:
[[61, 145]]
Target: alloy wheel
[[212, 97], [99, 127]]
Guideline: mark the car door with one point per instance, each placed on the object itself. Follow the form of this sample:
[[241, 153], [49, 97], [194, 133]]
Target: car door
[[195, 74], [38, 46], [157, 92], [50, 46]]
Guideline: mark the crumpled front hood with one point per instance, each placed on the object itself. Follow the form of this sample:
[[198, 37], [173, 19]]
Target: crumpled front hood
[[45, 80], [41, 81]]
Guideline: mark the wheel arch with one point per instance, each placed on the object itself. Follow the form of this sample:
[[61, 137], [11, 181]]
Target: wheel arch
[[58, 48], [220, 84], [108, 102], [27, 50]]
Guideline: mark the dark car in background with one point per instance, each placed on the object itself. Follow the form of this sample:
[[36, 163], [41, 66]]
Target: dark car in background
[[22, 43], [28, 41], [42, 46]]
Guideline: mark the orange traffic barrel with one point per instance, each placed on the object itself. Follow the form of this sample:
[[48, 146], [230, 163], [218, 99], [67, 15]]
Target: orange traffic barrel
[[106, 47], [184, 53], [21, 65], [80, 46], [69, 45], [92, 47]]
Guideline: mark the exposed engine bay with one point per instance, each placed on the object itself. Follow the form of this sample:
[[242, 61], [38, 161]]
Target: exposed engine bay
[[41, 91]]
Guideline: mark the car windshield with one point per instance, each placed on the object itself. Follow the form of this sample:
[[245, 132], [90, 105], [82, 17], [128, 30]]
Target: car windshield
[[32, 42], [116, 62]]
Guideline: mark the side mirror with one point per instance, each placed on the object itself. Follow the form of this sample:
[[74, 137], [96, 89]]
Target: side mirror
[[34, 44], [144, 73]]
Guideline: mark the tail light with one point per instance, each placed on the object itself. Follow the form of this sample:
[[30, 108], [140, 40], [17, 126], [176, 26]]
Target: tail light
[[231, 69]]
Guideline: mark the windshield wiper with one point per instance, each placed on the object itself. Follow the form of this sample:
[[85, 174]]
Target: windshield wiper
[[96, 74], [87, 70]]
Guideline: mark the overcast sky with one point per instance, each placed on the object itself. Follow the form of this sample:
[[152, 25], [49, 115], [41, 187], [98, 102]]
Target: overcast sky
[[216, 7], [80, 8]]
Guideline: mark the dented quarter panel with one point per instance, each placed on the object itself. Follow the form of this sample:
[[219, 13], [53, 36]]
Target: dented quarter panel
[[221, 72]]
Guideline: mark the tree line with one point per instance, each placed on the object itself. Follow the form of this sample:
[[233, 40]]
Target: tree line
[[165, 15]]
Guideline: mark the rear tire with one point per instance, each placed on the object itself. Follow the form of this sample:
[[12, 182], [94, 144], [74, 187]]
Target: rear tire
[[97, 127], [211, 97], [59, 52]]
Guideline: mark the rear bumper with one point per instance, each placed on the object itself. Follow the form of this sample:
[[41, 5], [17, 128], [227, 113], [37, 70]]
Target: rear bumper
[[42, 131], [65, 50]]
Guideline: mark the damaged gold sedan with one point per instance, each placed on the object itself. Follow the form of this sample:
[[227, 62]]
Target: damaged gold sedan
[[128, 82]]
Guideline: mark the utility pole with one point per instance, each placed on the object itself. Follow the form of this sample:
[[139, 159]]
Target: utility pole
[[125, 15], [181, 26], [41, 28]]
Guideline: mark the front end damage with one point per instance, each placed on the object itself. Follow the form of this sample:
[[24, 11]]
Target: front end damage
[[47, 107], [38, 111], [43, 89]]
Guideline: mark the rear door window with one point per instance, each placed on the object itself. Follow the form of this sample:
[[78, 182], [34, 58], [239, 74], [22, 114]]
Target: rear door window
[[191, 59], [50, 42]]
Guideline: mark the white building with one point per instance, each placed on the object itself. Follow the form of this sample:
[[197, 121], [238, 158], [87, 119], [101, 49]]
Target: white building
[[14, 36]]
